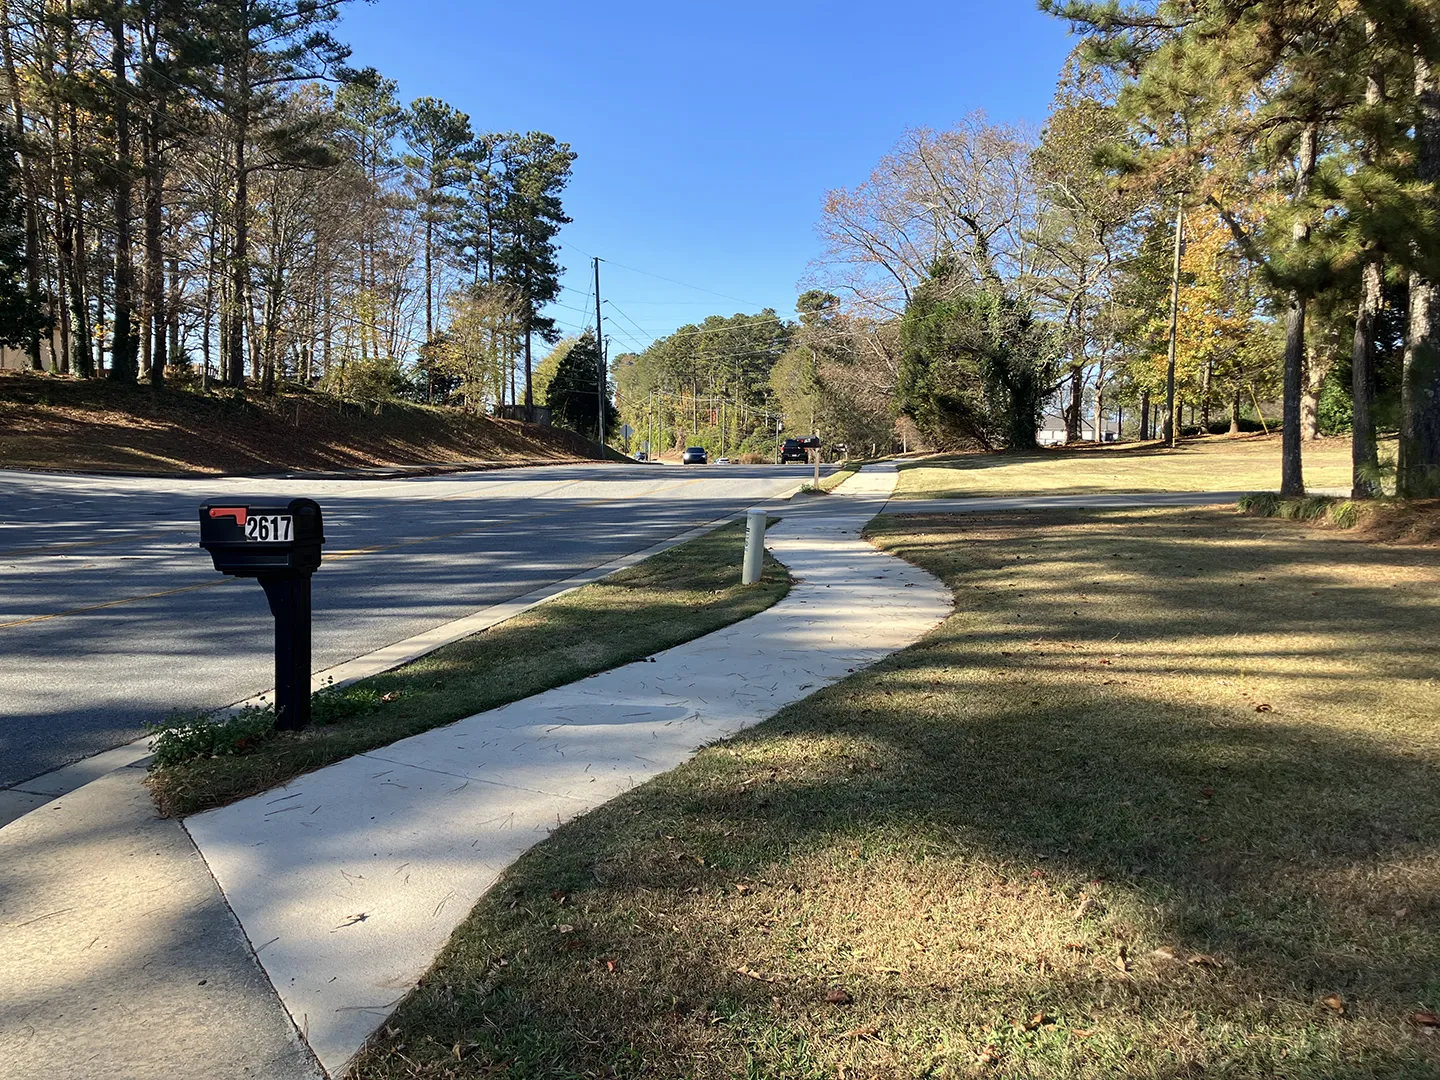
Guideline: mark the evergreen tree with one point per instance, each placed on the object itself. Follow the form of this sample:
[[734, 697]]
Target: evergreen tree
[[536, 169], [21, 318], [574, 392]]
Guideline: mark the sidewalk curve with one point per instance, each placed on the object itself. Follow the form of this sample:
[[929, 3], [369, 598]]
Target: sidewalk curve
[[349, 880]]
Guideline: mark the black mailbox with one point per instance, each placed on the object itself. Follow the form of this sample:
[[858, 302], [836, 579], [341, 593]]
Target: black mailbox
[[279, 543], [252, 539]]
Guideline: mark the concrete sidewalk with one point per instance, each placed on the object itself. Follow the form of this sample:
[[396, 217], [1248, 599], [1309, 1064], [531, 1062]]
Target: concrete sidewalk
[[350, 880], [120, 957]]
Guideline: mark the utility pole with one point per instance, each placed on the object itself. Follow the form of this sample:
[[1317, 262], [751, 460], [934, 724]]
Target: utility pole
[[600, 352], [1170, 432]]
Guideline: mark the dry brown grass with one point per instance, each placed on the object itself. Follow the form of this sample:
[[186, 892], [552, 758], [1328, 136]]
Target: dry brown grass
[[1211, 463], [1158, 800], [49, 422]]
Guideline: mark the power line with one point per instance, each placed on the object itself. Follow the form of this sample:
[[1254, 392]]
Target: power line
[[672, 281]]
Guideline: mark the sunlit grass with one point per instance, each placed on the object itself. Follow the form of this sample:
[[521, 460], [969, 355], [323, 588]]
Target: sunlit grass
[[1213, 463], [1158, 800]]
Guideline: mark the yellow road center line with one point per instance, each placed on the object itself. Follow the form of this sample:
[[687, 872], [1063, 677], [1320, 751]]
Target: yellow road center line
[[114, 603]]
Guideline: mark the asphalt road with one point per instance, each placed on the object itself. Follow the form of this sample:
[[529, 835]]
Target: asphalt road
[[112, 617]]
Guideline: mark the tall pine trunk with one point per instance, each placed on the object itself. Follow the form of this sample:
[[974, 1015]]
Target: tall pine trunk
[[1364, 452], [28, 186], [154, 254], [1292, 479], [122, 335], [1418, 471]]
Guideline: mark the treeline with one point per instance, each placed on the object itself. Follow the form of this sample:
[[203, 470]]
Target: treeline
[[204, 192], [1230, 205]]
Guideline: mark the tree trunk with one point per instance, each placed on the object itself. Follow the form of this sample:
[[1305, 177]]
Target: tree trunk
[[1292, 480], [529, 398], [1235, 413], [82, 361], [1418, 471], [1072, 412], [429, 292], [122, 335], [1144, 415], [239, 298], [154, 254], [1316, 371], [28, 186], [1364, 451]]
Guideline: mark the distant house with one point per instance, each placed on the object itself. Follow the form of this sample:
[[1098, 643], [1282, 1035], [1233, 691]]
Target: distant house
[[1052, 430]]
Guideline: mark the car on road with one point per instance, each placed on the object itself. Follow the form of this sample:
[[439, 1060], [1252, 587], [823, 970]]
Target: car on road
[[722, 461], [793, 450], [642, 456], [694, 455]]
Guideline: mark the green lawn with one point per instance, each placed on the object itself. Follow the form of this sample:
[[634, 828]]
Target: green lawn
[[1213, 463], [668, 599], [1158, 800]]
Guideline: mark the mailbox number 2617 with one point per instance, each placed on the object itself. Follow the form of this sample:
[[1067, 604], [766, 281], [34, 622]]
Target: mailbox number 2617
[[268, 528]]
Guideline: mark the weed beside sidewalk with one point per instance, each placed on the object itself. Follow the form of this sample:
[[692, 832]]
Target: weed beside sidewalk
[[666, 600], [1157, 800]]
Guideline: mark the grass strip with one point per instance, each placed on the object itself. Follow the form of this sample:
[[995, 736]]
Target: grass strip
[[668, 599], [1157, 800]]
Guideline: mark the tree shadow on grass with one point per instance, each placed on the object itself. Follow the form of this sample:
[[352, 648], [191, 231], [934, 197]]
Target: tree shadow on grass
[[985, 840]]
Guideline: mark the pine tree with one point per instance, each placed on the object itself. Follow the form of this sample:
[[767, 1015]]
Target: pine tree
[[21, 318]]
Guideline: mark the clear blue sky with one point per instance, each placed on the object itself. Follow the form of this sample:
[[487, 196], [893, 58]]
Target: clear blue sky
[[707, 134]]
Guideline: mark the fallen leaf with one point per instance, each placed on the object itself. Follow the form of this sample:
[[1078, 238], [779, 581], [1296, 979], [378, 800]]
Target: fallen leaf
[[989, 1056], [1208, 792], [610, 966], [391, 696], [1086, 903], [1122, 958], [559, 896], [839, 997], [1263, 707], [456, 1051], [1083, 1033], [1039, 1020], [564, 928], [1164, 952], [742, 889], [1204, 960], [1426, 1019], [1078, 946], [867, 1032], [751, 974], [1335, 1003]]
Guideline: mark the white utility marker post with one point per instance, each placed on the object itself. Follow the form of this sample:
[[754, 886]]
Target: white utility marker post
[[816, 452], [754, 547]]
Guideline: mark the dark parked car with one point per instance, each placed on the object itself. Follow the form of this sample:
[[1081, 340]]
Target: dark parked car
[[798, 449], [694, 455]]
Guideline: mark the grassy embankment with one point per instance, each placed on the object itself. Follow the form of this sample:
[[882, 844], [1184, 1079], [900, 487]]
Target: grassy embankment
[[1157, 800], [48, 422], [668, 599], [1212, 463]]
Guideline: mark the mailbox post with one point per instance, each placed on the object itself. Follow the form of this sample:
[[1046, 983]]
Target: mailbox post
[[279, 543]]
